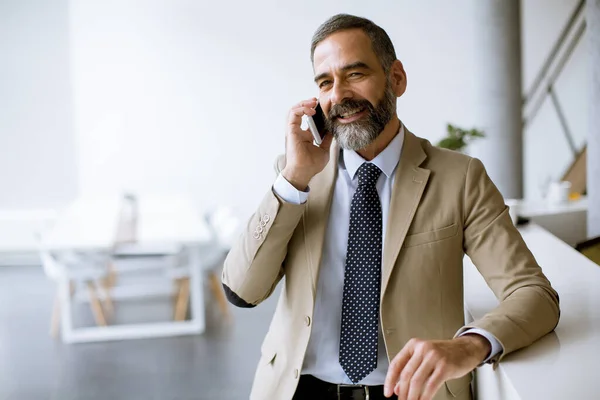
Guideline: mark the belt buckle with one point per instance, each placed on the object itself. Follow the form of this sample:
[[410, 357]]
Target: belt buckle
[[364, 387]]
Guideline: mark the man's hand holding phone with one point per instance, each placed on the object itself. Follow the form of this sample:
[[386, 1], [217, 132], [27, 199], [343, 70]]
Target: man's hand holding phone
[[303, 159]]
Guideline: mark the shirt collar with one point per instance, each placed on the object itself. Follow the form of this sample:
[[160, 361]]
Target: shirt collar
[[386, 161]]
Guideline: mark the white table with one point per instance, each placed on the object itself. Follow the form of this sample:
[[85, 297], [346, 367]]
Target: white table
[[88, 224], [91, 224], [563, 364]]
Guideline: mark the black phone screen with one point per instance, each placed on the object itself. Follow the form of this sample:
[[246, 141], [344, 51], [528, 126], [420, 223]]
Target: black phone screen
[[319, 119]]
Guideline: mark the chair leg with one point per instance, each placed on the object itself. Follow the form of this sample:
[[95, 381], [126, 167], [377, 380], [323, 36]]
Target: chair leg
[[111, 279], [183, 297], [219, 294], [107, 299], [175, 294], [96, 306], [55, 320]]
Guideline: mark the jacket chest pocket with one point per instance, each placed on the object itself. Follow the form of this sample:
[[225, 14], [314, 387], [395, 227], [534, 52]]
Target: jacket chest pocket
[[417, 239]]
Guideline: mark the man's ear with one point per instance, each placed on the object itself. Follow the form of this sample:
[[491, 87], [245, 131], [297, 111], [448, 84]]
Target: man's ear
[[398, 78]]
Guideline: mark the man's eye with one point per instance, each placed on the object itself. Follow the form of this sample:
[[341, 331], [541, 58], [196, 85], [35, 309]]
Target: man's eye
[[324, 83], [355, 74]]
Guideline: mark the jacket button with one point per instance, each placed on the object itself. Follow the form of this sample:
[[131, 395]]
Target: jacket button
[[307, 320], [296, 372], [266, 218]]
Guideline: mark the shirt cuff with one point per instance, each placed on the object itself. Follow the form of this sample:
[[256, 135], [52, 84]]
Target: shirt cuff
[[496, 346], [288, 192]]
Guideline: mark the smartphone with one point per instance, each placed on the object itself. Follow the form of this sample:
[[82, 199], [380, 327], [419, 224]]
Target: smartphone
[[316, 124]]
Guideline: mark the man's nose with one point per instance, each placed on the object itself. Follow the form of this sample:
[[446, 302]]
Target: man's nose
[[339, 93]]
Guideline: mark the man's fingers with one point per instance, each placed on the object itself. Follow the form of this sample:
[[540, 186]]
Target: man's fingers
[[436, 379], [295, 117], [395, 369], [420, 377], [305, 135], [300, 111], [311, 103], [403, 384], [305, 107]]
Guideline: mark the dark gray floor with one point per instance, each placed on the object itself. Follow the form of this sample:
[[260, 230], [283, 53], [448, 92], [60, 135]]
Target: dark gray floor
[[218, 364]]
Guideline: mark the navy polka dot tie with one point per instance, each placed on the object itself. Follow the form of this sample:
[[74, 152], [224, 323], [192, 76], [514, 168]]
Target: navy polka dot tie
[[362, 278]]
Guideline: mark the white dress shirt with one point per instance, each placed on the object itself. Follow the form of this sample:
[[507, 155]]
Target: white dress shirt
[[322, 354]]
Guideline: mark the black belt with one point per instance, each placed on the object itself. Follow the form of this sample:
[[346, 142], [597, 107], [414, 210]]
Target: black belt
[[310, 387]]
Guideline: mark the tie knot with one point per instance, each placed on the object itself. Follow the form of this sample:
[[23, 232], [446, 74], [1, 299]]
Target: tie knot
[[368, 174]]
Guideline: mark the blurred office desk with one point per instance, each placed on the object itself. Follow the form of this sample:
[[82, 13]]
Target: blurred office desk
[[563, 364], [89, 223], [94, 224], [566, 221]]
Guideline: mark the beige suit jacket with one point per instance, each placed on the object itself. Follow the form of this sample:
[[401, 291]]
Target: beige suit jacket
[[443, 206]]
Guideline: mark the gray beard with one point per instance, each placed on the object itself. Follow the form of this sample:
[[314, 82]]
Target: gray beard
[[360, 134], [355, 136]]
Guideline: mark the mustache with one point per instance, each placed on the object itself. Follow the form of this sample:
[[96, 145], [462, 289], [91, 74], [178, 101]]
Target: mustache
[[349, 105]]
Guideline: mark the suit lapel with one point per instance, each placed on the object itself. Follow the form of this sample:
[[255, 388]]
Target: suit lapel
[[317, 213], [409, 184]]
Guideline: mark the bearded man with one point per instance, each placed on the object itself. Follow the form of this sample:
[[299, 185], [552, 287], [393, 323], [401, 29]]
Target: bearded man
[[370, 230]]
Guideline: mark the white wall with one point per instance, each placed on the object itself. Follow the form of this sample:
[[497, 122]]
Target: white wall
[[37, 149], [192, 96], [188, 96], [546, 151]]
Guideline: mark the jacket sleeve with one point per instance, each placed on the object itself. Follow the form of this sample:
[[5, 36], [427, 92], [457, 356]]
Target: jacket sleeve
[[529, 306], [253, 267]]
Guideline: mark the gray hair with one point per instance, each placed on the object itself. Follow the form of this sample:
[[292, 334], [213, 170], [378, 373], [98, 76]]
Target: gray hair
[[380, 41]]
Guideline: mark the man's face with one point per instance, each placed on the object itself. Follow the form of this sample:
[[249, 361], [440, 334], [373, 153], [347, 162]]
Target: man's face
[[356, 95]]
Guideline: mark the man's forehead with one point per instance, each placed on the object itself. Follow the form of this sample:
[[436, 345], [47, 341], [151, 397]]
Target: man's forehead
[[341, 48]]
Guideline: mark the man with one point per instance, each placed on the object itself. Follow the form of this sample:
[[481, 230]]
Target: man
[[370, 230]]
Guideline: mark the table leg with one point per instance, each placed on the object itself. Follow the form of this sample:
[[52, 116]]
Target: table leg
[[197, 290], [66, 317]]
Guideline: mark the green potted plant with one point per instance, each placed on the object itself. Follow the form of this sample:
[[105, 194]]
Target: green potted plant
[[457, 138]]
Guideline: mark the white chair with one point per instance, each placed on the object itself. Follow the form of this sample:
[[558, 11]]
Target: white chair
[[174, 260], [170, 260], [74, 270], [223, 226]]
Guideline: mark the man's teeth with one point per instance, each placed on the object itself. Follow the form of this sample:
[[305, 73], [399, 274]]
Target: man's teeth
[[351, 113]]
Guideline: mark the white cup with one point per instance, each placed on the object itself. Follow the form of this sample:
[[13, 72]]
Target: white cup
[[558, 192], [514, 206]]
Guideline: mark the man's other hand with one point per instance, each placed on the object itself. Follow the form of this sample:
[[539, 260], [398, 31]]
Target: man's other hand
[[422, 366]]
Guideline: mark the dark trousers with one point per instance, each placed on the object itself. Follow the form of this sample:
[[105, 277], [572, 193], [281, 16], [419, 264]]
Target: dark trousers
[[311, 388]]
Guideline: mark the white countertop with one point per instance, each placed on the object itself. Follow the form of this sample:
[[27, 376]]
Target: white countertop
[[563, 364], [538, 208]]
